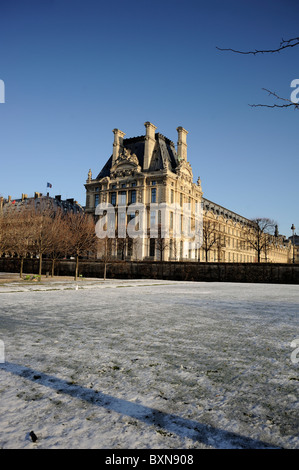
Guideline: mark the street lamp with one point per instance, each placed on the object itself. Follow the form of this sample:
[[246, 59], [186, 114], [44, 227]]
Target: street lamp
[[293, 229]]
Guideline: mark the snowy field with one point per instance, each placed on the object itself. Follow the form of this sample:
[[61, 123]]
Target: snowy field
[[148, 365]]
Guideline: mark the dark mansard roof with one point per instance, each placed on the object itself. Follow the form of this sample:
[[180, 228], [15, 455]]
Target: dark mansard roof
[[164, 154]]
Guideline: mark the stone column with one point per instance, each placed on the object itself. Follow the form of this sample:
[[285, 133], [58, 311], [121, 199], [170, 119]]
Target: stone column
[[118, 144], [182, 143], [149, 144]]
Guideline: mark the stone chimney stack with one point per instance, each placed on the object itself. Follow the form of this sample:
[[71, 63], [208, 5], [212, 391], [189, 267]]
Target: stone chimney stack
[[182, 143], [118, 144], [149, 144]]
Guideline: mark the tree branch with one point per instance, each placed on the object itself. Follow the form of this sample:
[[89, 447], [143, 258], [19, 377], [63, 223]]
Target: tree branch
[[288, 103], [284, 44]]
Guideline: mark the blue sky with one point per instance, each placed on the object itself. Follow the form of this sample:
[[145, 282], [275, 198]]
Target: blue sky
[[76, 69]]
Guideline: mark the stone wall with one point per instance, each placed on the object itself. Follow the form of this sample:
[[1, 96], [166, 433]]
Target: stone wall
[[182, 271]]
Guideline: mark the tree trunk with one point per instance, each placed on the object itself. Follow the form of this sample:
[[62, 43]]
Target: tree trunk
[[21, 266], [77, 267], [40, 264], [53, 267]]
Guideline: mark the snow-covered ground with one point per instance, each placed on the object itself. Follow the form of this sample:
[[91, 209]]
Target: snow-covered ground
[[148, 364]]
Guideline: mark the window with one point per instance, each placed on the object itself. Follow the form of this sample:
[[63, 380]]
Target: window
[[123, 198], [171, 220], [154, 183], [133, 196], [133, 184], [171, 196], [123, 185], [171, 248], [181, 249], [96, 200], [152, 247], [122, 219], [154, 195], [113, 199], [181, 199], [152, 219]]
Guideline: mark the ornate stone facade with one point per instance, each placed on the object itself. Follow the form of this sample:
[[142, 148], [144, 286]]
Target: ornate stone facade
[[149, 170]]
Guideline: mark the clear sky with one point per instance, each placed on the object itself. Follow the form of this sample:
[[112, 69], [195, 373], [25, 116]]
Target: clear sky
[[76, 69]]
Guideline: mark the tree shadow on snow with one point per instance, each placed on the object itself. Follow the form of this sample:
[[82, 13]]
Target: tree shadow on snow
[[182, 427]]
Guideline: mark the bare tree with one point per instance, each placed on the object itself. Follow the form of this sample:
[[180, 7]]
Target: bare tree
[[104, 252], [162, 243], [42, 222], [20, 233], [284, 44], [210, 236], [259, 235], [82, 239], [3, 233], [59, 238]]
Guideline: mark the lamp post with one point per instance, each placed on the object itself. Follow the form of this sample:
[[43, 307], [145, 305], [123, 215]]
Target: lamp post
[[293, 229]]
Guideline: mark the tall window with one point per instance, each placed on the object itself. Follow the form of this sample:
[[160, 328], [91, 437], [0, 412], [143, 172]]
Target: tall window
[[123, 198], [113, 199], [171, 248], [96, 200], [153, 219], [133, 196], [154, 195], [171, 220], [152, 247], [181, 249]]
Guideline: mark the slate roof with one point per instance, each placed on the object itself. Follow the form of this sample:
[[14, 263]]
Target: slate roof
[[164, 154]]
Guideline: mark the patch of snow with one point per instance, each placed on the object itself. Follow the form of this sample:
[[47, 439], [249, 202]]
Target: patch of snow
[[123, 364]]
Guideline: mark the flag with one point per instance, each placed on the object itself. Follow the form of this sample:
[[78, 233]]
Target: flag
[[49, 185]]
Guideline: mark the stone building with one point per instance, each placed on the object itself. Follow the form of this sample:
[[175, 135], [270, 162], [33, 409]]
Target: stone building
[[294, 255], [41, 201], [147, 183]]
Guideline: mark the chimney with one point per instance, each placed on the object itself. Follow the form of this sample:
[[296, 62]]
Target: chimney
[[118, 144], [149, 144], [9, 198], [182, 143]]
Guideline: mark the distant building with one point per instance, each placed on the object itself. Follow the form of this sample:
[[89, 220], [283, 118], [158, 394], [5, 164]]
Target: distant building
[[295, 248], [150, 170], [41, 201]]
